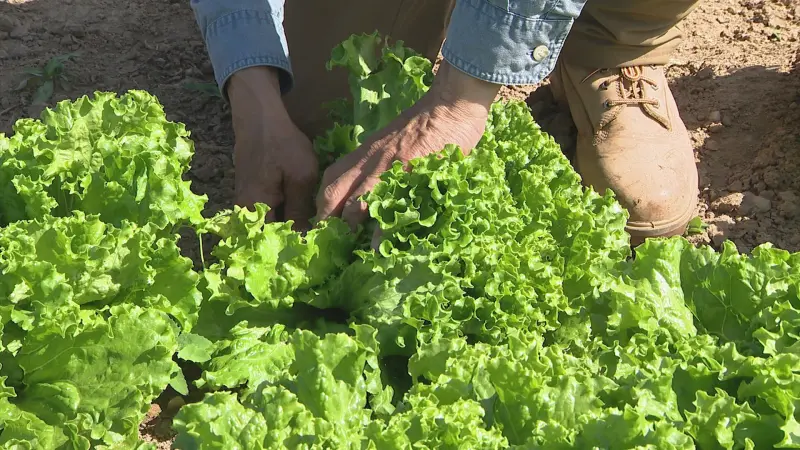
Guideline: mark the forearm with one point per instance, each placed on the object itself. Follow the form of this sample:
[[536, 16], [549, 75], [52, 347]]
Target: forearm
[[244, 33], [507, 42]]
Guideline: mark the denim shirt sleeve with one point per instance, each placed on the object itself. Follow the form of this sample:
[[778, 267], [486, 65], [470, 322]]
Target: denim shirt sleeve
[[509, 41], [244, 33]]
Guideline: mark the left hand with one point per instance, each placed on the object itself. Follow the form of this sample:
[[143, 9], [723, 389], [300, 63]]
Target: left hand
[[453, 111]]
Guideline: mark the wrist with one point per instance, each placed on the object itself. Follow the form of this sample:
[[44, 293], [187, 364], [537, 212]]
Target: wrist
[[255, 96], [461, 91]]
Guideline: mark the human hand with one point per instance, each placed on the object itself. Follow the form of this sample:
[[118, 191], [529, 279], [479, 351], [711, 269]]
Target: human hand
[[453, 111], [274, 161]]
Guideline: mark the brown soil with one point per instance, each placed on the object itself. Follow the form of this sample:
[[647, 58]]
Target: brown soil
[[736, 80], [157, 428]]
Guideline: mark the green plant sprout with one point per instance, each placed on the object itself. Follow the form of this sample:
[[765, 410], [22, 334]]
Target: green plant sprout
[[696, 226], [208, 89], [47, 78]]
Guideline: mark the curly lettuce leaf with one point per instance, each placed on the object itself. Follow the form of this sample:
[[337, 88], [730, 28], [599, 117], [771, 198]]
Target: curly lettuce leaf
[[117, 157], [298, 388], [262, 263], [55, 270], [92, 387], [384, 81]]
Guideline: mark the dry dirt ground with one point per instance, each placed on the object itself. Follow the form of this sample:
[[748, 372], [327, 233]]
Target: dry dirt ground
[[736, 80]]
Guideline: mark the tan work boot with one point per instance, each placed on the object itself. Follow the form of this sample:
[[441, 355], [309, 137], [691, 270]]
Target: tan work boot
[[632, 140]]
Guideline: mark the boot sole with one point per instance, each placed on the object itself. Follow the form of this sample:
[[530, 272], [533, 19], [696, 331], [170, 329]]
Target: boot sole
[[640, 231]]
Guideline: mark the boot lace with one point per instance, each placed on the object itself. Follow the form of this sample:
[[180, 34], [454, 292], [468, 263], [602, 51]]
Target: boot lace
[[631, 82]]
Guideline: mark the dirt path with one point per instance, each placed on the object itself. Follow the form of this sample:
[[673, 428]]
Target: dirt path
[[733, 81]]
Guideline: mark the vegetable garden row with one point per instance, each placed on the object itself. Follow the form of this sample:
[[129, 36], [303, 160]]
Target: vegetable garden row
[[503, 308]]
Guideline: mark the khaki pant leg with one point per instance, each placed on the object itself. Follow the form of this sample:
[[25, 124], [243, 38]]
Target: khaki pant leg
[[618, 33], [313, 28]]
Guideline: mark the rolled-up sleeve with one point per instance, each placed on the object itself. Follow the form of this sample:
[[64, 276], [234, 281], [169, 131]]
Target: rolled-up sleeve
[[244, 33], [509, 41]]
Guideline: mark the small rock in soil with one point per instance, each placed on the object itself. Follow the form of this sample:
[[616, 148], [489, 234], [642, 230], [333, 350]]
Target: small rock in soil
[[19, 51], [727, 204], [727, 120], [721, 230], [19, 32], [705, 73], [192, 72], [206, 172], [7, 23], [790, 210], [715, 127], [736, 185], [717, 234], [715, 117], [767, 194], [75, 30], [788, 196], [788, 204], [772, 179], [712, 145], [154, 411], [753, 204]]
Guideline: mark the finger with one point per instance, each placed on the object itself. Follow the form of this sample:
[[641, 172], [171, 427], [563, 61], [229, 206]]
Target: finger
[[247, 195], [355, 160], [299, 204], [272, 200], [355, 210], [333, 195]]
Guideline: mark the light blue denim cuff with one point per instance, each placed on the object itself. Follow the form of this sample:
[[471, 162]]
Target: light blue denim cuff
[[244, 33], [509, 41]]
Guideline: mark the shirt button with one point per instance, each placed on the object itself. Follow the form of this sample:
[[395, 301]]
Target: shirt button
[[541, 52]]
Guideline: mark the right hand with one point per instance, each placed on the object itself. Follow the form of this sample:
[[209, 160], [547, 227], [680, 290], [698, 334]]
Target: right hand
[[274, 161]]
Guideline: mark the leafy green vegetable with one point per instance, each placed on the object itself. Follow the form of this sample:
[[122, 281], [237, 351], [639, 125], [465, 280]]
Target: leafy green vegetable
[[57, 269], [114, 156], [507, 293], [89, 320], [303, 390], [502, 308], [382, 87], [91, 387]]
